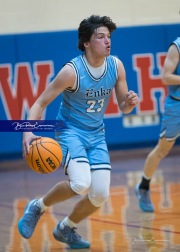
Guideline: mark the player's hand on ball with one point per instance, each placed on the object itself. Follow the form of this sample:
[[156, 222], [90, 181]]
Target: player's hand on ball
[[27, 138]]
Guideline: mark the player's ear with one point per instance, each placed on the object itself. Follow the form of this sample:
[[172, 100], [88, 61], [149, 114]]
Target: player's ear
[[86, 44]]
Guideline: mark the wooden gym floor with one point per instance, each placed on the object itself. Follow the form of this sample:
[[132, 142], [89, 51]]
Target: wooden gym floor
[[119, 226]]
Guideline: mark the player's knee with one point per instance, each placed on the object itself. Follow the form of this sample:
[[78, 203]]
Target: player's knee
[[80, 176], [80, 186], [160, 153], [163, 148], [99, 198]]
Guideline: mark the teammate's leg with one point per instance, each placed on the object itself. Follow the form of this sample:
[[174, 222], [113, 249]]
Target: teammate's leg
[[153, 159]]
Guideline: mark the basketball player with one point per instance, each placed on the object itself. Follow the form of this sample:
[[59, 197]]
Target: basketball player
[[170, 128], [86, 82]]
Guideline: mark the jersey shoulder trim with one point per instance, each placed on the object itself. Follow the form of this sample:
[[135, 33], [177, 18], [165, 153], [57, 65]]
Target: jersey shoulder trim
[[76, 87], [177, 43]]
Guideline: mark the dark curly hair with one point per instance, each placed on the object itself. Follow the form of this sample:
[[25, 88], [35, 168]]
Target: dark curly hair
[[89, 25]]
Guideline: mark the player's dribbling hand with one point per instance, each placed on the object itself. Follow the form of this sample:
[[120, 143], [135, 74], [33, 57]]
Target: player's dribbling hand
[[27, 138]]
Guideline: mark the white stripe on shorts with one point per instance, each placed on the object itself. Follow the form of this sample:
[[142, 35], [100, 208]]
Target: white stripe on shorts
[[101, 166]]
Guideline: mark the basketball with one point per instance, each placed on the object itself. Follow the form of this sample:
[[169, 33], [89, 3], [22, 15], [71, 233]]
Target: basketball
[[45, 155]]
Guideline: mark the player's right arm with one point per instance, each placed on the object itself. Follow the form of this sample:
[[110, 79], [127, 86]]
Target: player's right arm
[[170, 64], [64, 79]]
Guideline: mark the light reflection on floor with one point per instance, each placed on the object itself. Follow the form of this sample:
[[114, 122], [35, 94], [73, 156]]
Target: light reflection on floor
[[118, 226]]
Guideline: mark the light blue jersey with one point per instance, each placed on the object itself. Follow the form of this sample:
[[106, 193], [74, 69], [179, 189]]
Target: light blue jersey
[[85, 105], [82, 110], [171, 117], [174, 90]]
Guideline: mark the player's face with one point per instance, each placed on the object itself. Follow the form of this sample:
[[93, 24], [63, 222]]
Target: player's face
[[100, 42]]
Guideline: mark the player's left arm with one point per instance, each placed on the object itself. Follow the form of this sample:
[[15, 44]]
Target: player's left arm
[[127, 100]]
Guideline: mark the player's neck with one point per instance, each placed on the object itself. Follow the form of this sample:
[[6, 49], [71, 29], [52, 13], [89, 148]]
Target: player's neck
[[94, 61], [97, 72]]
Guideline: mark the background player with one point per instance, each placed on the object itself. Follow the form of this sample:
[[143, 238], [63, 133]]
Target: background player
[[170, 128]]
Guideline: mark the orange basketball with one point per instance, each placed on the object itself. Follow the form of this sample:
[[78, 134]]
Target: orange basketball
[[45, 155]]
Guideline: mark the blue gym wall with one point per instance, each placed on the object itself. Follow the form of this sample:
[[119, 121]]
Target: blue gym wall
[[23, 55]]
